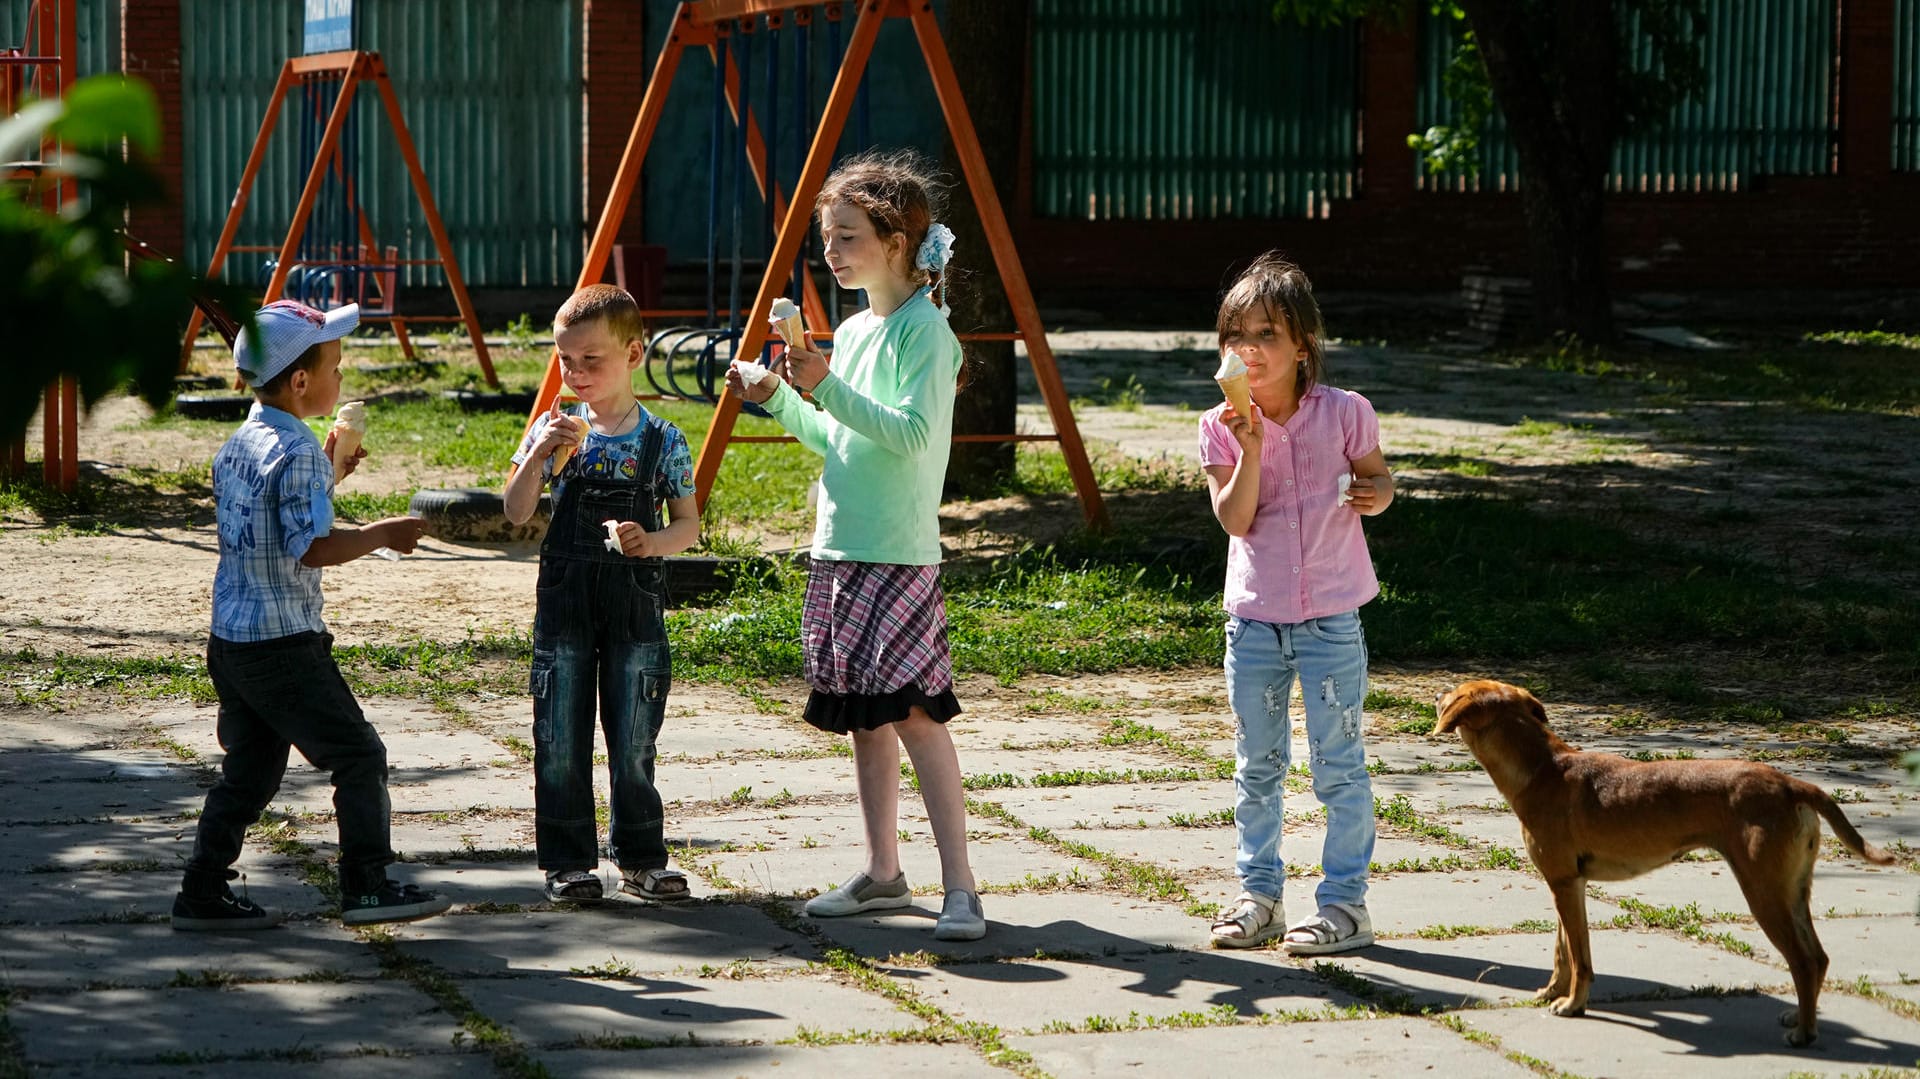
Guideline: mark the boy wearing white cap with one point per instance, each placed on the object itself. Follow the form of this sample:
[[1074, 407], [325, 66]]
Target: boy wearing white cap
[[269, 654]]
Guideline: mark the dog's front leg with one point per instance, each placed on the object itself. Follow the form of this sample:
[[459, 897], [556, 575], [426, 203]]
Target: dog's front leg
[[1566, 994]]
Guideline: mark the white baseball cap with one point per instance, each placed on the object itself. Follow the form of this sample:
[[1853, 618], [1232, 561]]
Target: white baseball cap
[[286, 330]]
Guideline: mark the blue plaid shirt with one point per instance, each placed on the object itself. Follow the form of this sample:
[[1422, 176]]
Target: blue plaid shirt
[[273, 496]]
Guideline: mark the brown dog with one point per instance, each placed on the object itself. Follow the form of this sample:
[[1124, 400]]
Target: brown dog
[[1596, 816]]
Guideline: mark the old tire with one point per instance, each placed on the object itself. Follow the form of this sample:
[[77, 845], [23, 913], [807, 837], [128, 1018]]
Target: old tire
[[210, 406], [475, 401], [475, 515]]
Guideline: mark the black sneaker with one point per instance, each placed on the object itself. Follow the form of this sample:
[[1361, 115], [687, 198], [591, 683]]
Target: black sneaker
[[223, 911], [393, 902]]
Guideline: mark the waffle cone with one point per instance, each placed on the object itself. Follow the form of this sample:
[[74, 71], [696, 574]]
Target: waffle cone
[[565, 453], [1235, 390], [346, 442]]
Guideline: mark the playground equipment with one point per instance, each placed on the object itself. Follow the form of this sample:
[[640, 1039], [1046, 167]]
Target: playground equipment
[[726, 29], [43, 66], [329, 256]]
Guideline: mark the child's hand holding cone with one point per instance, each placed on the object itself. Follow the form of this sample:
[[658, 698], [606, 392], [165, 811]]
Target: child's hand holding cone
[[1232, 377], [566, 432]]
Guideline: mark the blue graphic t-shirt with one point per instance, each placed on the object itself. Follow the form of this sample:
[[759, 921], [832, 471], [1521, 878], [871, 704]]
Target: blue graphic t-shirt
[[618, 456]]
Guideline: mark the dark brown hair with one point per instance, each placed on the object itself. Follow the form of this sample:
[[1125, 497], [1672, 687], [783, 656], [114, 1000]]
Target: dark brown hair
[[1281, 290], [610, 302]]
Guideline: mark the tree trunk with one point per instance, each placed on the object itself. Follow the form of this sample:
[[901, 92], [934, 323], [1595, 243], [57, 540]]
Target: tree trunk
[[987, 40], [1554, 72]]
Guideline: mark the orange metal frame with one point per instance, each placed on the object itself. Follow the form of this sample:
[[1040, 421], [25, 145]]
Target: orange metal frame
[[352, 67], [700, 24], [52, 50]]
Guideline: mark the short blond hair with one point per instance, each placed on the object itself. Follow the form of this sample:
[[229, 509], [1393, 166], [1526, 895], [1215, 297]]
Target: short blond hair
[[609, 302]]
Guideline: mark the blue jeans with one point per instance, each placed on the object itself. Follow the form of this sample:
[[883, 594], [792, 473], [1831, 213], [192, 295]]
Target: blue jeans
[[599, 639], [1328, 656]]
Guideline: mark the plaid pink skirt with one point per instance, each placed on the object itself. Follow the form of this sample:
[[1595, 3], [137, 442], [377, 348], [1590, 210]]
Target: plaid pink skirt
[[874, 639]]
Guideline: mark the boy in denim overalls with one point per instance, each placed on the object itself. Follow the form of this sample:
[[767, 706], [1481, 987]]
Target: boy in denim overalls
[[599, 622]]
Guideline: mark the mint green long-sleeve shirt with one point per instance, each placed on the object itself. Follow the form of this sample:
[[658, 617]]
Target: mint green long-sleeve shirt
[[885, 428]]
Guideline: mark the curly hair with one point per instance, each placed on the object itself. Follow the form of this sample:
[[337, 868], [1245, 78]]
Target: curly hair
[[898, 192]]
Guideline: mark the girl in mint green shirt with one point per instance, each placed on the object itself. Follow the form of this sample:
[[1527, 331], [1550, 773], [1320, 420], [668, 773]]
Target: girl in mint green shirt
[[874, 624]]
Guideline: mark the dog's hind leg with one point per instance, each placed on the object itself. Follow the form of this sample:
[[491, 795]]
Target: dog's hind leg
[[1566, 994], [1777, 876]]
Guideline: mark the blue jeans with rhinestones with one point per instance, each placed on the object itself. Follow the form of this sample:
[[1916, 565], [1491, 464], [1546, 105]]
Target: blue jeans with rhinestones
[[1328, 658]]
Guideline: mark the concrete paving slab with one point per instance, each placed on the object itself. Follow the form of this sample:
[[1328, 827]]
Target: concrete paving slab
[[1111, 804], [90, 845], [1028, 996], [1089, 923], [66, 801], [1840, 886], [792, 1061], [1404, 903], [1049, 758], [97, 896], [19, 767], [152, 955], [1209, 852], [1006, 861], [1496, 828], [718, 734], [1355, 1049], [719, 780], [1508, 968], [423, 835], [763, 827], [1707, 1038], [649, 939], [1884, 950], [550, 1011], [140, 1024], [447, 1064]]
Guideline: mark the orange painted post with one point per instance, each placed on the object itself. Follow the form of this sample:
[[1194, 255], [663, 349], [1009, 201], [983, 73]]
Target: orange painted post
[[652, 106], [255, 160], [1013, 277], [799, 218], [448, 263]]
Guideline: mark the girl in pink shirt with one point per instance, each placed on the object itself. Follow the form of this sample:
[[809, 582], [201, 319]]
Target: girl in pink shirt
[[1290, 484]]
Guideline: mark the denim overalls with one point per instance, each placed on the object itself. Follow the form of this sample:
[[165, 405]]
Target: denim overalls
[[599, 626]]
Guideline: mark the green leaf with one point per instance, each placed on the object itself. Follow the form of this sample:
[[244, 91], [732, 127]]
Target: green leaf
[[103, 109]]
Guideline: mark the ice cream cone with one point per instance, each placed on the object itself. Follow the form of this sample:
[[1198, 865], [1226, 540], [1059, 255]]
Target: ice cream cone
[[1232, 377], [565, 453], [792, 329], [349, 430]]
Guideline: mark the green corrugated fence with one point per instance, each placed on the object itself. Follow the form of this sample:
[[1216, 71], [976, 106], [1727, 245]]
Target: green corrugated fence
[[96, 29], [1151, 109], [1906, 85], [490, 89], [1766, 109]]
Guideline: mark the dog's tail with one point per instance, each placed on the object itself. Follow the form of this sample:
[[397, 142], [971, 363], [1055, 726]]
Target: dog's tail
[[1843, 828]]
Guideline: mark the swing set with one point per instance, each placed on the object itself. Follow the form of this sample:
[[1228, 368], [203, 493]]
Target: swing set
[[700, 352], [44, 66], [330, 257]]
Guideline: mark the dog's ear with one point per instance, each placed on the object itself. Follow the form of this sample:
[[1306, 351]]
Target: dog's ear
[[1457, 707]]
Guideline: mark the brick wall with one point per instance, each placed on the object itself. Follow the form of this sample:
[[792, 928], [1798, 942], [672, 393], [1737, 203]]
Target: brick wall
[[615, 66], [150, 49]]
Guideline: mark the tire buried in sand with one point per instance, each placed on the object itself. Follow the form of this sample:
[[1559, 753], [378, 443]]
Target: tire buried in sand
[[476, 515]]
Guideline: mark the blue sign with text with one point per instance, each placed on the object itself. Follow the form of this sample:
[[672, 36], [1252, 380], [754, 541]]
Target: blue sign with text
[[329, 26]]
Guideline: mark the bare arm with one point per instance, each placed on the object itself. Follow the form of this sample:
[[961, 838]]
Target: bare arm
[[1372, 490], [1235, 489], [345, 544], [682, 531]]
